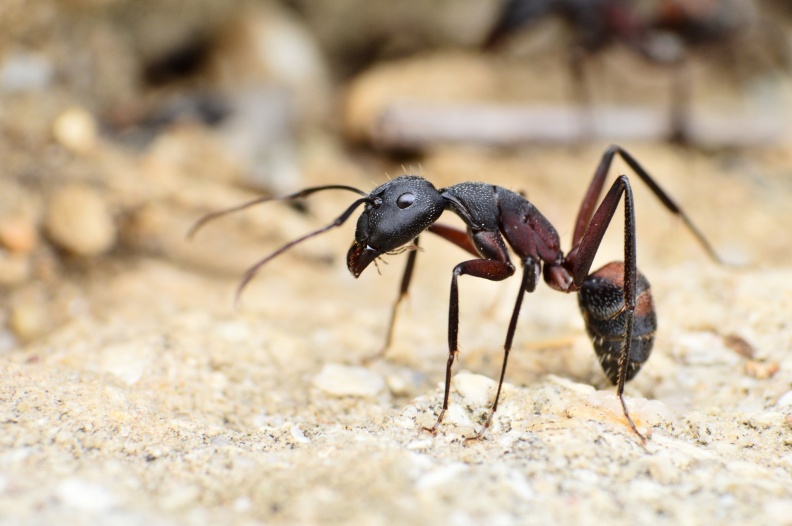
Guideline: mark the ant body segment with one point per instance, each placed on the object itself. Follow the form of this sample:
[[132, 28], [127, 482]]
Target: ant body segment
[[615, 300]]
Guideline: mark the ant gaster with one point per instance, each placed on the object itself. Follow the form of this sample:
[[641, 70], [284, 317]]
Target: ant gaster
[[615, 300]]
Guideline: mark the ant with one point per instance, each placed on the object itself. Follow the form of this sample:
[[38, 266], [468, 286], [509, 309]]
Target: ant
[[615, 300], [662, 32]]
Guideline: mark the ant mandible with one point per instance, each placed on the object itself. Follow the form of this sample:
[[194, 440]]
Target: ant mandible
[[615, 300]]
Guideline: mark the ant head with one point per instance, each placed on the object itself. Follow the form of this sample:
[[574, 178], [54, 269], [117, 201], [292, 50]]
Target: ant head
[[399, 210]]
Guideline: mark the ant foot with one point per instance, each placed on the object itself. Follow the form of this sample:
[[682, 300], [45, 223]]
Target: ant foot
[[368, 360], [630, 420], [482, 431], [477, 437], [433, 429]]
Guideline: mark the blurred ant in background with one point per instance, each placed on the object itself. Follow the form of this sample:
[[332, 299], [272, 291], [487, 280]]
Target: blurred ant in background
[[661, 31]]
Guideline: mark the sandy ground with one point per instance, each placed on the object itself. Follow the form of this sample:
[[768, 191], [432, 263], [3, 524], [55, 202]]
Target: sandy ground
[[161, 403]]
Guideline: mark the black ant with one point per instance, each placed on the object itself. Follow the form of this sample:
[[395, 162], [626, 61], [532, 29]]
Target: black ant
[[615, 300], [662, 32]]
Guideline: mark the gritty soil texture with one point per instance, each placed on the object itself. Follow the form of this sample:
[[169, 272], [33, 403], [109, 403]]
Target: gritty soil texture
[[133, 390]]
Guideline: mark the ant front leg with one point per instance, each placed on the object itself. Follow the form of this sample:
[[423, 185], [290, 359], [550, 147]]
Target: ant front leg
[[403, 289], [455, 236], [496, 267]]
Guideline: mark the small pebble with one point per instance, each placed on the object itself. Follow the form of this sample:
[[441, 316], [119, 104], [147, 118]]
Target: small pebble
[[243, 504], [441, 476], [403, 381], [476, 389], [220, 441], [785, 400], [298, 435], [179, 497], [457, 416], [397, 384], [80, 494], [7, 341], [739, 345], [29, 320], [761, 370], [79, 221], [126, 361], [17, 234], [704, 348], [233, 332], [218, 381], [577, 387], [777, 511], [75, 129], [24, 72], [421, 444], [347, 380]]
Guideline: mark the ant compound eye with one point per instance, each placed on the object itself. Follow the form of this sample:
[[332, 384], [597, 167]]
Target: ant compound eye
[[405, 200]]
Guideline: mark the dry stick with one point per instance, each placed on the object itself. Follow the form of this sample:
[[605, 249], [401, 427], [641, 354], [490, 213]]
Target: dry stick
[[418, 125]]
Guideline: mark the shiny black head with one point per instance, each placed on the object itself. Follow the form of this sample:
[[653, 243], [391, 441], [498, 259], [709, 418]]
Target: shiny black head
[[399, 210]]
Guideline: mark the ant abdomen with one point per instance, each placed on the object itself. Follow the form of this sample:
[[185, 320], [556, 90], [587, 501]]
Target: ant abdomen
[[601, 301]]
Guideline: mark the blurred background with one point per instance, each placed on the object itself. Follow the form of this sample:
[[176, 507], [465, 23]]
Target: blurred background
[[122, 121]]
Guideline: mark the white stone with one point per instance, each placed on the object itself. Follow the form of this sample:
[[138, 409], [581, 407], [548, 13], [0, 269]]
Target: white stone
[[566, 383], [421, 444], [233, 332], [243, 504], [347, 380], [298, 435], [20, 72], [76, 129], [440, 476], [457, 416], [785, 400], [79, 220], [126, 360], [81, 494], [476, 389]]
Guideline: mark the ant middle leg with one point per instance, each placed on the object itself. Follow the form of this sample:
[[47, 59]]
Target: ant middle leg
[[531, 269], [453, 235], [589, 203], [496, 268]]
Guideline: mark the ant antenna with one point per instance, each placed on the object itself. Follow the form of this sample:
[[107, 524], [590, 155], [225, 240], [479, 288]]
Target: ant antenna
[[251, 272], [297, 195]]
